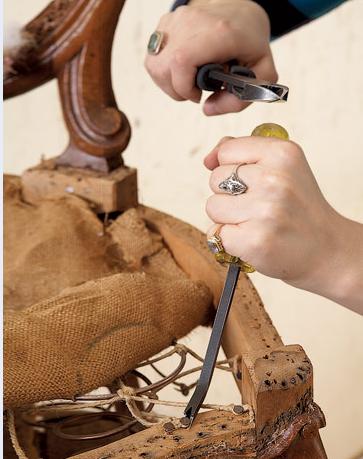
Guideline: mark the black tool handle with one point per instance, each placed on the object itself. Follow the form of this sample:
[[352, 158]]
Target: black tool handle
[[206, 82]]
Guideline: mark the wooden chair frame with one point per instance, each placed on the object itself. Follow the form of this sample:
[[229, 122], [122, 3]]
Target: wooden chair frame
[[73, 44]]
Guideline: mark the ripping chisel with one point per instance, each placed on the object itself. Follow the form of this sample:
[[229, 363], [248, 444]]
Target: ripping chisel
[[235, 266], [240, 81]]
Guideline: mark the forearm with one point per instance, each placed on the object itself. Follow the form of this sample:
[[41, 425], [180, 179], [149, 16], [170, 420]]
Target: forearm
[[339, 277]]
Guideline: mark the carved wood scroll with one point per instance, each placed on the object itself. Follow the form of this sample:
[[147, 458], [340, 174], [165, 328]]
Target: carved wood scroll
[[73, 42]]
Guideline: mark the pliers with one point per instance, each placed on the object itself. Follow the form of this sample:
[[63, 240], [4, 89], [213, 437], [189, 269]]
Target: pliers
[[240, 81]]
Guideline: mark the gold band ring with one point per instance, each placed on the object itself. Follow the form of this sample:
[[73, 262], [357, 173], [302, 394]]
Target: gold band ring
[[215, 245]]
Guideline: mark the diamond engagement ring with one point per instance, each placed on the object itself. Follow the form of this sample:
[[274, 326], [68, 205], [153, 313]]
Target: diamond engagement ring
[[233, 184], [155, 42]]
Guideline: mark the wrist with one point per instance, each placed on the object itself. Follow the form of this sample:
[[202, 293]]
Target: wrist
[[238, 9], [346, 283], [338, 273]]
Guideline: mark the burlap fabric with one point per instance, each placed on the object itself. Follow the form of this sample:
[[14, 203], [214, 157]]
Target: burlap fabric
[[85, 303]]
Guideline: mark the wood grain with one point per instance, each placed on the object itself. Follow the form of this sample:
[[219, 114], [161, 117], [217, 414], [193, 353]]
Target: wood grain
[[106, 192]]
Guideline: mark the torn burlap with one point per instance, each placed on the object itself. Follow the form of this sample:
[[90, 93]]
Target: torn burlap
[[83, 303]]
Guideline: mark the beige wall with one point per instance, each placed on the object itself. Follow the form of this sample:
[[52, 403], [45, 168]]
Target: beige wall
[[323, 65]]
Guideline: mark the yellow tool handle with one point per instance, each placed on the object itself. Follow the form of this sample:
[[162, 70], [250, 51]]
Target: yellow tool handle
[[271, 130]]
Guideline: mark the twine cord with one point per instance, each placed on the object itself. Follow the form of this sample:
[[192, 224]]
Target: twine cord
[[55, 409], [13, 436]]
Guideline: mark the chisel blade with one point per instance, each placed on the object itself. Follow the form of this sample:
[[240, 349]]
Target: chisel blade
[[210, 359]]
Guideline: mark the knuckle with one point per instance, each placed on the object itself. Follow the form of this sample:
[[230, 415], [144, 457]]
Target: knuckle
[[270, 180], [231, 246], [272, 75], [221, 154], [269, 211], [224, 139], [181, 56], [159, 72], [223, 151], [290, 152], [263, 241], [278, 187], [163, 73], [176, 97], [194, 15], [257, 242], [182, 10], [223, 27], [275, 215], [221, 142]]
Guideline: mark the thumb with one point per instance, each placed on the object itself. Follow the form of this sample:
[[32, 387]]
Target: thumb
[[265, 69], [222, 102]]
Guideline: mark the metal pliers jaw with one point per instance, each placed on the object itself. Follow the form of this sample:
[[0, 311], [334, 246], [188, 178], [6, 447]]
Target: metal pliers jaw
[[241, 82]]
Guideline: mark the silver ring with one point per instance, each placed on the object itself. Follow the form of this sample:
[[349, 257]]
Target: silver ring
[[233, 184], [155, 42]]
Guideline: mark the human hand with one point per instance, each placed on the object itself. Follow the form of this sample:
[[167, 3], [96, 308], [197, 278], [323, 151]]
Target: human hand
[[211, 31], [283, 225]]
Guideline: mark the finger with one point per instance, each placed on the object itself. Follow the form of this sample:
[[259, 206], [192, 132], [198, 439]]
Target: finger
[[227, 209], [250, 174], [161, 75], [183, 74], [211, 160], [250, 150], [222, 102], [212, 230], [239, 240], [232, 235], [265, 69]]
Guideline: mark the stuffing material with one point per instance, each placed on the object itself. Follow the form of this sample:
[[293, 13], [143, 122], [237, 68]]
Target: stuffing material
[[18, 46]]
